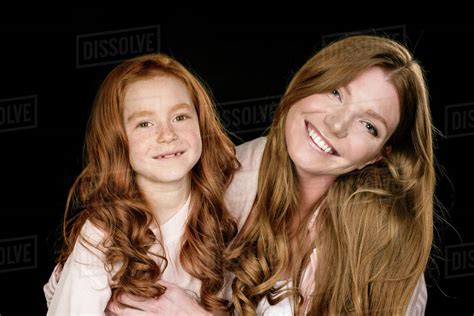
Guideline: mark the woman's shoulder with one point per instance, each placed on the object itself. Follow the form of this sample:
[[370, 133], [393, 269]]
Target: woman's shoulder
[[250, 153], [241, 193]]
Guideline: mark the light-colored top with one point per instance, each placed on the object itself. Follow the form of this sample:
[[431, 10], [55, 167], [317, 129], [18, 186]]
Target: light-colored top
[[245, 181], [83, 287], [239, 198]]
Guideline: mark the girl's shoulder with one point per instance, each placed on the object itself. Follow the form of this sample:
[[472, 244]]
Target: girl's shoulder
[[92, 232], [90, 244]]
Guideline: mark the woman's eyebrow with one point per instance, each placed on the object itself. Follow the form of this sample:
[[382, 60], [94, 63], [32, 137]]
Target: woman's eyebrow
[[349, 92], [377, 116], [369, 112]]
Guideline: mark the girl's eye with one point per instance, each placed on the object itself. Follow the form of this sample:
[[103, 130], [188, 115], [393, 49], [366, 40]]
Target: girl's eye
[[372, 130], [337, 94], [143, 124], [181, 117]]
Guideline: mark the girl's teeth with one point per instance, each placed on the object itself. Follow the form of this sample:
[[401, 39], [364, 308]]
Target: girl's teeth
[[171, 155]]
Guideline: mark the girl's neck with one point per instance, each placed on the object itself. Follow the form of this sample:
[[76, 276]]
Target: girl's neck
[[167, 199]]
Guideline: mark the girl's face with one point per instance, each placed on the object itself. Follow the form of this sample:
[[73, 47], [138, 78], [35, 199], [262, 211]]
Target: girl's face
[[162, 127], [337, 132]]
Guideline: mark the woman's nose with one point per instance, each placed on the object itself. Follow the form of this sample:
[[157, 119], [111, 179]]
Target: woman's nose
[[338, 122]]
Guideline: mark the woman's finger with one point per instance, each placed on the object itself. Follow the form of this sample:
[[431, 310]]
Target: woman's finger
[[113, 309]]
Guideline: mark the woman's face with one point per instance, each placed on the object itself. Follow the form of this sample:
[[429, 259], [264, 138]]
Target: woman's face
[[334, 133]]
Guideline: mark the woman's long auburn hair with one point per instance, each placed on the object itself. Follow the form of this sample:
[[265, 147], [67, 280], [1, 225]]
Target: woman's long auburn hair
[[374, 229], [106, 192]]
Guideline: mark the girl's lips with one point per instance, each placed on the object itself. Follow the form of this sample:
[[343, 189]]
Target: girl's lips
[[170, 154]]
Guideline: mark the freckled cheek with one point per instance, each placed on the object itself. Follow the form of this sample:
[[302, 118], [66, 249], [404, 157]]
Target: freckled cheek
[[138, 148], [196, 143], [190, 133]]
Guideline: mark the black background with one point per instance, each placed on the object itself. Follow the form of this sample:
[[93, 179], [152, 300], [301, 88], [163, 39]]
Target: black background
[[239, 62]]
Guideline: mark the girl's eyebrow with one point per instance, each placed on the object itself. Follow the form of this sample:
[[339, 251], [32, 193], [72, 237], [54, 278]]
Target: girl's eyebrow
[[138, 114], [182, 106], [175, 107]]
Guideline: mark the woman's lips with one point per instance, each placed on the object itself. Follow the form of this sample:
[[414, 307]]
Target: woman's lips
[[319, 141]]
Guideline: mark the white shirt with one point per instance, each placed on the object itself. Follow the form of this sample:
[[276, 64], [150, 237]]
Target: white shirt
[[250, 155], [83, 287]]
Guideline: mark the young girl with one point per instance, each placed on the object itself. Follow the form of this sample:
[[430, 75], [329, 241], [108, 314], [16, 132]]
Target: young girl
[[345, 226], [148, 206]]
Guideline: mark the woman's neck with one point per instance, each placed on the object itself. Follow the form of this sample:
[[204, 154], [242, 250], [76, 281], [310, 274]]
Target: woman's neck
[[312, 188], [167, 199]]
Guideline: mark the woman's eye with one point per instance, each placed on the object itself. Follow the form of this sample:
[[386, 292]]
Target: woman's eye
[[143, 124], [372, 130], [337, 94]]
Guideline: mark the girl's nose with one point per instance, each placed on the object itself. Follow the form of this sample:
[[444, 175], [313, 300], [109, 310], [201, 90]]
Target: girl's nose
[[166, 134]]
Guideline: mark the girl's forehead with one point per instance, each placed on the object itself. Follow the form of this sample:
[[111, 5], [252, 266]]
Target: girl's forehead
[[157, 91]]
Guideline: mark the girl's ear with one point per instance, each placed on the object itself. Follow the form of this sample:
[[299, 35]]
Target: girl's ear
[[388, 150]]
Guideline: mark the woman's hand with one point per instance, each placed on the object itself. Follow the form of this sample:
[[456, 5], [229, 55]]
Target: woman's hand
[[175, 301]]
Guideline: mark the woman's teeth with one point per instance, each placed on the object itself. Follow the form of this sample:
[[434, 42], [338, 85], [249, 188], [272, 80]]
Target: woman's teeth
[[319, 142]]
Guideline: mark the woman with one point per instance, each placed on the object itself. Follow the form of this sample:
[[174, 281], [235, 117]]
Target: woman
[[345, 226]]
